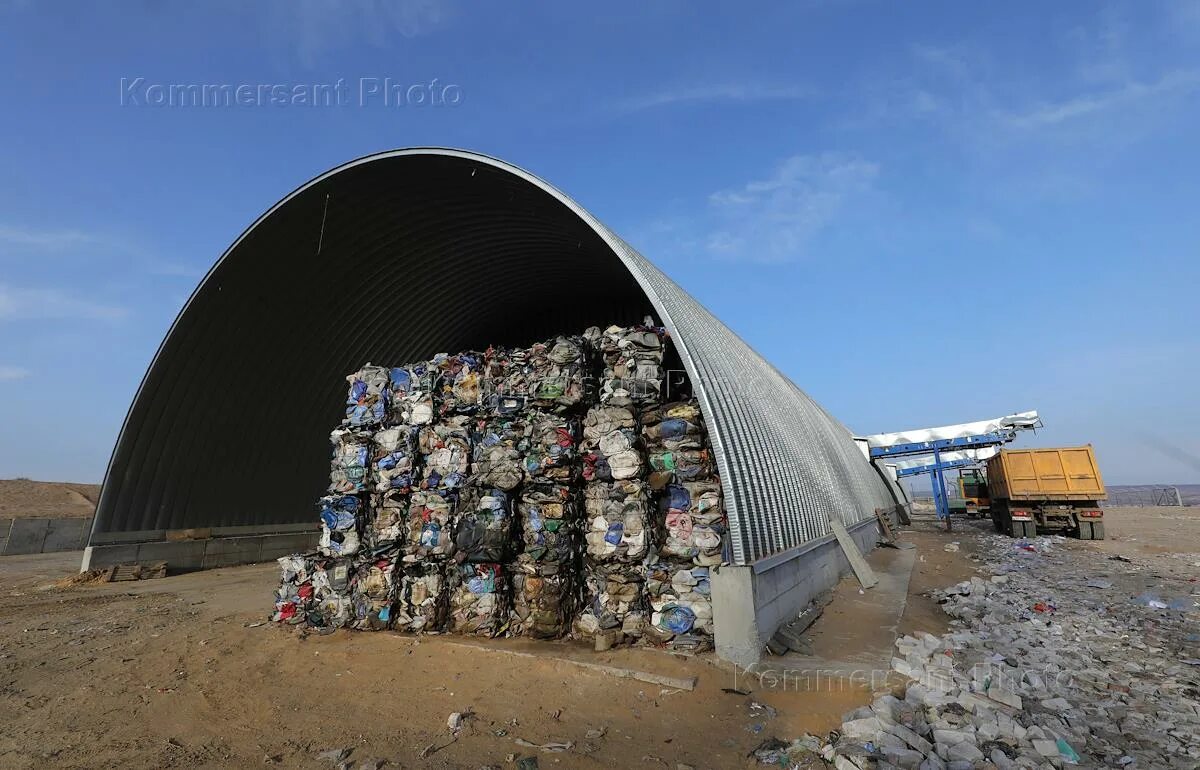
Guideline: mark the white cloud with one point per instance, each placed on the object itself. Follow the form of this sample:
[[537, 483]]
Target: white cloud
[[716, 92], [773, 219], [1054, 113], [52, 240], [313, 27], [46, 304], [13, 373]]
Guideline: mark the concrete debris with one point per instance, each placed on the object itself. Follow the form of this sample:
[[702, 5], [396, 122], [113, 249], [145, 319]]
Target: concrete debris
[[1041, 670]]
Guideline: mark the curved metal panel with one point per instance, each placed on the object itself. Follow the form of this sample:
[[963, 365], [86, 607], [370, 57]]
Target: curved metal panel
[[403, 254]]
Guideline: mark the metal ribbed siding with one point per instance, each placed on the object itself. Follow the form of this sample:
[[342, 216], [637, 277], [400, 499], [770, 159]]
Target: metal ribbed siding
[[430, 250]]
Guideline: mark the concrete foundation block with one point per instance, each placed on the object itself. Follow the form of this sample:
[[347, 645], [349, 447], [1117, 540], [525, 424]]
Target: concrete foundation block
[[187, 555], [735, 623], [183, 556], [101, 556], [275, 546], [751, 602], [231, 551], [247, 546]]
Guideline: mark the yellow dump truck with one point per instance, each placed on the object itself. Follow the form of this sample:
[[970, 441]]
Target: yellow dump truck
[[1036, 491]]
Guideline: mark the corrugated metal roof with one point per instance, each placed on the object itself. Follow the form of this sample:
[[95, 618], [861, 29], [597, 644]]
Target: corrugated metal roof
[[403, 254]]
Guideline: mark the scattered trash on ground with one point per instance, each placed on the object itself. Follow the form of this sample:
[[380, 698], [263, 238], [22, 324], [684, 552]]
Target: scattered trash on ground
[[335, 756], [1062, 681], [551, 747]]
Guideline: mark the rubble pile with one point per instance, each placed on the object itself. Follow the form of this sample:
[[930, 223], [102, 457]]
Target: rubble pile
[[540, 492], [1049, 664]]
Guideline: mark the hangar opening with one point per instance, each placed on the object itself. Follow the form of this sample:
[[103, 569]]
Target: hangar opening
[[396, 257]]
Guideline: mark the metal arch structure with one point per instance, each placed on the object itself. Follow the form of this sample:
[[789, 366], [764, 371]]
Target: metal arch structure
[[403, 254]]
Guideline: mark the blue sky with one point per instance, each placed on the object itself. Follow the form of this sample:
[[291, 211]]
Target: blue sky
[[924, 213]]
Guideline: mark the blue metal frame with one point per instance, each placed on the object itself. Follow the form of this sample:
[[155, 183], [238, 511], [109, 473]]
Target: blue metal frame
[[918, 470], [940, 499]]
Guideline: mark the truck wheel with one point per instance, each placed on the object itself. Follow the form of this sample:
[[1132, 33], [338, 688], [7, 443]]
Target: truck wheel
[[1017, 529], [1083, 530], [1097, 530]]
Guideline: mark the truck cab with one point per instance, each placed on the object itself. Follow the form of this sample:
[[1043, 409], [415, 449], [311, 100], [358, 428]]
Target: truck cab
[[973, 490]]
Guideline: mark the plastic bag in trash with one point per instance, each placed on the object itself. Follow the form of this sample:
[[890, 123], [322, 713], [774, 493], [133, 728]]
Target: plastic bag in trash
[[294, 597], [479, 599], [414, 409], [676, 442], [459, 387], [386, 526], [424, 599], [498, 453], [351, 458], [543, 600], [549, 523], [618, 521], [669, 587], [446, 450], [373, 592], [552, 448], [484, 527], [429, 524], [507, 380], [341, 524], [610, 445], [392, 458], [614, 598], [694, 522], [560, 376], [633, 371], [366, 402], [331, 607]]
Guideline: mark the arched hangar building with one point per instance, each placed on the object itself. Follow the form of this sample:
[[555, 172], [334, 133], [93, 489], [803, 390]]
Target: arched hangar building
[[397, 256]]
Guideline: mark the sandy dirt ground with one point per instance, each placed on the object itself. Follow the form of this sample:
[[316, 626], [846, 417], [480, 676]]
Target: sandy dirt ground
[[22, 498], [177, 672]]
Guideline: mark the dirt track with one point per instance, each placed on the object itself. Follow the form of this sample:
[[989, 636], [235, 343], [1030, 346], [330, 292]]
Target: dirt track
[[169, 673]]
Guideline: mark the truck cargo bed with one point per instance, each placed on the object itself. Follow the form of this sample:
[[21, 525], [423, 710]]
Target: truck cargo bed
[[1058, 474]]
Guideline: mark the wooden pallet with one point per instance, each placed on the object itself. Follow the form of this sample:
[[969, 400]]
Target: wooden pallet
[[121, 572], [889, 535]]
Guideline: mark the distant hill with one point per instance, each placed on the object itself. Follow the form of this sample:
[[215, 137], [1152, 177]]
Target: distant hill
[[22, 498]]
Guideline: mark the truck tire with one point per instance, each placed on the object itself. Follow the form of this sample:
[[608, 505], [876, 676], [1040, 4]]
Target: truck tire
[[1097, 530], [1083, 530], [1026, 529]]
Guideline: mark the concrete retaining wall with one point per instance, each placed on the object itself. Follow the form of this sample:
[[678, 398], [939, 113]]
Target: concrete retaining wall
[[751, 602], [21, 536], [208, 553]]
